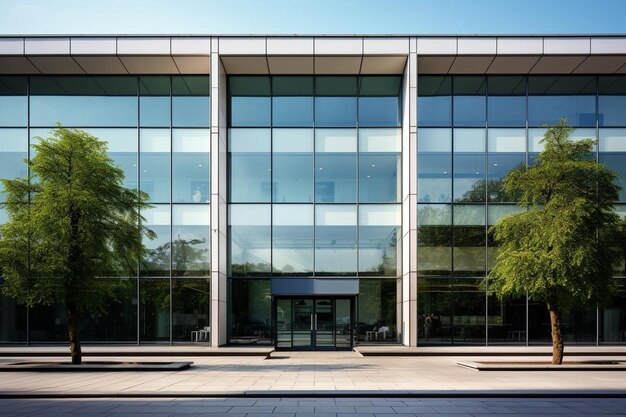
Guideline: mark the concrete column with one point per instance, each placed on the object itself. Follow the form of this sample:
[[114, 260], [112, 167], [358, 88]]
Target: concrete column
[[409, 199], [219, 207]]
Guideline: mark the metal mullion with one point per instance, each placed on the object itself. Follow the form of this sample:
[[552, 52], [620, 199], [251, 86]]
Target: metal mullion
[[138, 187], [452, 210], [271, 273], [314, 177], [526, 129], [29, 194], [171, 318], [486, 228], [358, 173], [597, 78]]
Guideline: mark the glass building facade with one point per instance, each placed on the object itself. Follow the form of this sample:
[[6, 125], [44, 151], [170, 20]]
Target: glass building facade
[[472, 130], [316, 193], [157, 130]]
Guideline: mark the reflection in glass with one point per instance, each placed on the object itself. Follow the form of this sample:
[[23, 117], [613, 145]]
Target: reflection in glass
[[190, 101], [250, 234], [379, 164], [507, 321], [434, 101], [612, 318], [122, 144], [292, 239], [154, 160], [13, 152], [335, 239], [154, 101], [506, 101], [190, 165], [469, 101], [552, 98], [292, 165], [469, 165], [250, 311], [507, 151], [469, 311], [154, 310], [434, 165], [191, 240], [191, 302], [13, 101], [468, 255], [118, 320], [612, 147], [434, 315], [250, 165], [612, 101], [434, 239], [378, 312], [379, 238], [335, 165], [157, 260]]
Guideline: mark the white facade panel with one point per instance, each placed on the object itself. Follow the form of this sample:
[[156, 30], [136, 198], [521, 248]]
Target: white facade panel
[[242, 46], [338, 46], [143, 46], [191, 46], [608, 46], [477, 46], [12, 46], [436, 46], [290, 46], [520, 46], [566, 46], [385, 46], [93, 46], [47, 46]]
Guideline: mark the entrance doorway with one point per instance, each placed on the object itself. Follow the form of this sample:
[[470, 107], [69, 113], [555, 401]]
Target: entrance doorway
[[314, 323]]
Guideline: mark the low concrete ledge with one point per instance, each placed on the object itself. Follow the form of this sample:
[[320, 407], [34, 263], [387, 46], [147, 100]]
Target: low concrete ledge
[[539, 351], [134, 351], [542, 366], [51, 366]]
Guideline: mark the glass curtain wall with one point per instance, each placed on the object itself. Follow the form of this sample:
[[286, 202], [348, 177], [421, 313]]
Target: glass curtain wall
[[472, 130], [158, 132], [314, 184]]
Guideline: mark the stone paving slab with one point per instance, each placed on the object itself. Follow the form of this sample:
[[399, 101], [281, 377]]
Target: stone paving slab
[[303, 407]]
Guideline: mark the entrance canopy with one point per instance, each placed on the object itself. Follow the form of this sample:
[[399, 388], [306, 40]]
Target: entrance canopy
[[315, 286]]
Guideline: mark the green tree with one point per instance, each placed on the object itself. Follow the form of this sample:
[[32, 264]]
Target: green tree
[[72, 226], [561, 250]]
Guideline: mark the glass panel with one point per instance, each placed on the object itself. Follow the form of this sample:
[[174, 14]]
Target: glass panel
[[612, 101], [612, 146], [494, 214], [378, 321], [551, 98], [434, 165], [379, 103], [335, 165], [469, 240], [506, 102], [12, 319], [283, 323], [157, 261], [379, 238], [434, 239], [154, 159], [191, 239], [335, 111], [250, 239], [612, 318], [13, 152], [191, 304], [83, 101], [302, 323], [324, 324], [191, 165], [292, 165], [343, 324], [251, 313], [434, 101], [335, 239], [154, 101], [250, 165], [469, 101], [13, 101], [48, 323], [536, 135], [507, 151], [190, 101], [469, 165], [250, 102], [122, 145], [469, 311], [292, 236], [434, 304], [507, 321], [379, 164], [154, 310], [292, 103]]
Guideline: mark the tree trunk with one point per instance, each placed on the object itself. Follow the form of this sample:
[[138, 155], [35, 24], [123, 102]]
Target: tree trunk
[[557, 337], [72, 328]]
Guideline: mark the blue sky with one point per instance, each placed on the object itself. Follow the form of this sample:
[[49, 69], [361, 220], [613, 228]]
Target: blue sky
[[312, 16]]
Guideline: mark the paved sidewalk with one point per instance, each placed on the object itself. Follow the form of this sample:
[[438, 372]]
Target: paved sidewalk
[[322, 373], [305, 407]]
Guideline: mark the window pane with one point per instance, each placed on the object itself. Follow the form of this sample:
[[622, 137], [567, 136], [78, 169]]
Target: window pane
[[612, 101], [13, 323], [13, 152], [13, 101], [469, 240], [434, 101], [612, 146], [250, 235], [379, 164], [250, 165], [122, 145], [250, 101], [552, 98], [434, 165], [612, 319], [154, 101], [507, 151], [379, 238], [83, 101], [469, 102], [250, 309], [507, 321], [154, 310], [506, 101], [191, 165], [434, 239], [434, 303], [377, 310], [292, 239], [157, 260], [191, 304], [379, 111], [335, 240], [469, 311], [190, 101], [469, 165], [335, 111], [335, 165], [292, 165], [154, 161], [191, 240]]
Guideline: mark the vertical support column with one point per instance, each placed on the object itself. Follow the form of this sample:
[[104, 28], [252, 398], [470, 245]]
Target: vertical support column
[[409, 199], [219, 282]]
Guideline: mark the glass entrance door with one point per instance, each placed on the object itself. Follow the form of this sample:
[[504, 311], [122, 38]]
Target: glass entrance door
[[314, 323]]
